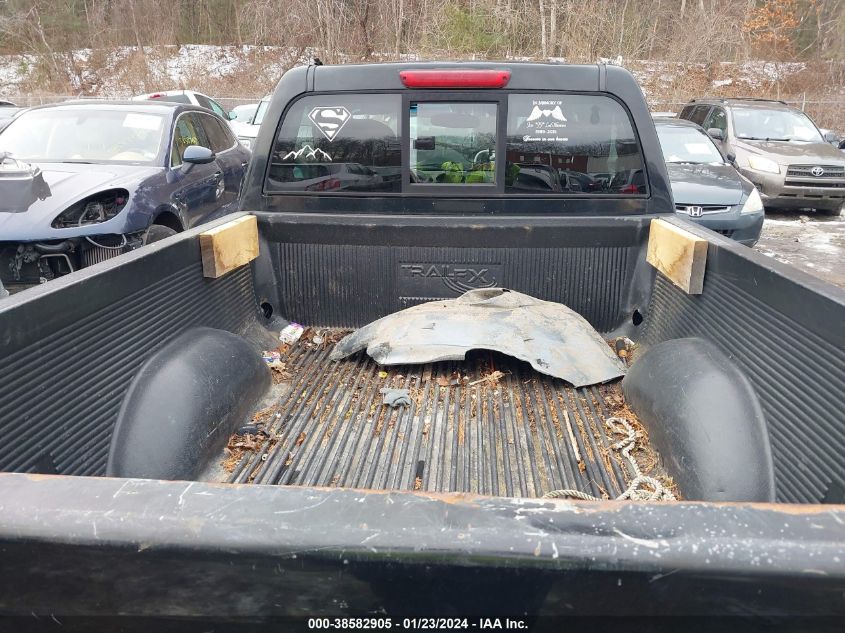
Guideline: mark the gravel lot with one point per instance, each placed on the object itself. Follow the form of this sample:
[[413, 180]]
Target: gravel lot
[[813, 244]]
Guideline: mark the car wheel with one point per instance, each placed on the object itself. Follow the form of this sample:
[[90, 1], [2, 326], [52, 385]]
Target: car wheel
[[157, 232], [830, 212]]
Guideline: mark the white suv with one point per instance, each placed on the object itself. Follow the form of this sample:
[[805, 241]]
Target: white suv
[[249, 131], [186, 96]]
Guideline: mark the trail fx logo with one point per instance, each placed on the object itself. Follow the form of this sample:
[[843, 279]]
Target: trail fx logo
[[554, 113], [330, 120], [457, 278], [695, 212]]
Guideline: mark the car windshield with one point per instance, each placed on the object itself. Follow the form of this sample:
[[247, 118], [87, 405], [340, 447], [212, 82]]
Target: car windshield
[[774, 125], [84, 135], [259, 113], [686, 144]]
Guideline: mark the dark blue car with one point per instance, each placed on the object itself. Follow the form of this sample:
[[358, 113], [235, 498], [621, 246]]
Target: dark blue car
[[81, 182], [706, 186]]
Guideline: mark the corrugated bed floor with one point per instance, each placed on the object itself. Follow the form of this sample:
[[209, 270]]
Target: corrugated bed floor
[[509, 437]]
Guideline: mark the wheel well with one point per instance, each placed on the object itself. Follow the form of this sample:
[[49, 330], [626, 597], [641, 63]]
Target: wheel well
[[168, 219]]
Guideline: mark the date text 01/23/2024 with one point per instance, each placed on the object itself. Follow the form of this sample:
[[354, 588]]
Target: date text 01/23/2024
[[416, 624]]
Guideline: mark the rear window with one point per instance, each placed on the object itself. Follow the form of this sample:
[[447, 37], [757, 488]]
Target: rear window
[[339, 143], [541, 144], [171, 98], [699, 113], [581, 144], [453, 143]]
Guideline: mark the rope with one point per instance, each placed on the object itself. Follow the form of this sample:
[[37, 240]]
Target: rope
[[638, 489]]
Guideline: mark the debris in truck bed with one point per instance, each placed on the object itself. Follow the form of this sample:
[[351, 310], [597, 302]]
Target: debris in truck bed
[[238, 445], [492, 378], [250, 429], [555, 340], [572, 438], [291, 333], [396, 397], [263, 416], [513, 432], [277, 367], [641, 487]]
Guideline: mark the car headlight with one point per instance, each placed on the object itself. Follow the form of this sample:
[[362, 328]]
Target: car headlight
[[759, 163], [100, 207], [753, 203], [246, 142]]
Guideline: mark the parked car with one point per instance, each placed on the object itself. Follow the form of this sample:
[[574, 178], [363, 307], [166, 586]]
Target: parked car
[[248, 132], [186, 96], [778, 148], [244, 113], [7, 113], [241, 116], [705, 186], [81, 182]]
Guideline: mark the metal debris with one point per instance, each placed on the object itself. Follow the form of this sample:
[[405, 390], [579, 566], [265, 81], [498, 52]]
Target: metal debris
[[396, 397], [554, 339]]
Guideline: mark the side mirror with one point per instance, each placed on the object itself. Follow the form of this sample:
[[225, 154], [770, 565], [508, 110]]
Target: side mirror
[[196, 155], [716, 134], [731, 157], [232, 115], [831, 137]]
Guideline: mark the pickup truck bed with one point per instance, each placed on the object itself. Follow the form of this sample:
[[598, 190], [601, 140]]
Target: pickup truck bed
[[124, 382], [464, 431]]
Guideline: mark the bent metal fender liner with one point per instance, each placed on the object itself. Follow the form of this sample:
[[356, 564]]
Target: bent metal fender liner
[[554, 339]]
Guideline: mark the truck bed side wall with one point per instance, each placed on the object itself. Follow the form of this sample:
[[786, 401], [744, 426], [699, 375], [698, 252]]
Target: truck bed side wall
[[71, 347], [785, 330]]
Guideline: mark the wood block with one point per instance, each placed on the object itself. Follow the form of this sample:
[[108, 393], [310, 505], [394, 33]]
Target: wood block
[[678, 254], [229, 246]]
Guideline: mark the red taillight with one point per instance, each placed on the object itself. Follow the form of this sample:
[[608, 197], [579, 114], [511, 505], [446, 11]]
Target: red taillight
[[158, 95], [455, 78]]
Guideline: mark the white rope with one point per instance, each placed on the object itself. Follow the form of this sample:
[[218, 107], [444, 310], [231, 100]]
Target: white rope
[[638, 489]]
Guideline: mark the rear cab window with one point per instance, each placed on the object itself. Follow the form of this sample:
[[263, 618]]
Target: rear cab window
[[452, 142], [571, 144], [332, 143], [495, 143]]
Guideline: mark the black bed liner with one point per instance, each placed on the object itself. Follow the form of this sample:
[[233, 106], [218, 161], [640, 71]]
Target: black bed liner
[[508, 437]]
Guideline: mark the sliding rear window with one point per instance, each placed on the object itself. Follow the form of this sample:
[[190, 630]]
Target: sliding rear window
[[338, 143], [571, 144]]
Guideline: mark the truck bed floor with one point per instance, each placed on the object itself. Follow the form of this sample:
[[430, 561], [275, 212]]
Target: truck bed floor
[[508, 437]]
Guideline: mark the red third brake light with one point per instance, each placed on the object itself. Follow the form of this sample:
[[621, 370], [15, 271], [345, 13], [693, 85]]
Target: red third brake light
[[455, 78]]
